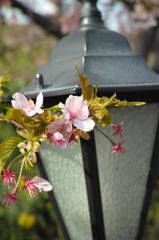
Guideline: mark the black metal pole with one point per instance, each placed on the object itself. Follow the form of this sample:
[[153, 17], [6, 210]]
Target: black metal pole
[[93, 187]]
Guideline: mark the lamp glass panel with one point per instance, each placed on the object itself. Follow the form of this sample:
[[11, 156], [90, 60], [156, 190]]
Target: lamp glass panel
[[64, 168], [123, 177]]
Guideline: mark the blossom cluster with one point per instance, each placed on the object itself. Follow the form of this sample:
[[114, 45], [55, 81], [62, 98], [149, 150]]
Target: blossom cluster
[[61, 125], [124, 16], [129, 16]]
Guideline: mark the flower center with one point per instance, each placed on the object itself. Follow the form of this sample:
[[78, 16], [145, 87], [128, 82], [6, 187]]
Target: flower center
[[74, 112], [30, 104]]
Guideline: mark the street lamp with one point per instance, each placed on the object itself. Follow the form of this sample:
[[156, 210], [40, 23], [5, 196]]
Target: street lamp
[[96, 195]]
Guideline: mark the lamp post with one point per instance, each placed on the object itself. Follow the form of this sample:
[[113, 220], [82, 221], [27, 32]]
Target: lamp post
[[96, 195]]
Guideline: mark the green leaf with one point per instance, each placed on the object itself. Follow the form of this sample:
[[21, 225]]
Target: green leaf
[[21, 120], [96, 90], [46, 118], [84, 135], [115, 103], [6, 148], [99, 112], [3, 119], [105, 121], [105, 101], [5, 79], [1, 92], [87, 89], [4, 90], [2, 116], [35, 126], [23, 133], [96, 109], [18, 116], [55, 108]]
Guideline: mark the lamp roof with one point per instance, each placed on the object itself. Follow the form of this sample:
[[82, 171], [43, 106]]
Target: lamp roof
[[103, 56]]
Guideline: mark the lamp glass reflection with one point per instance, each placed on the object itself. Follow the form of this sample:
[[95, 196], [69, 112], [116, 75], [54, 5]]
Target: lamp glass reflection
[[123, 178], [64, 169]]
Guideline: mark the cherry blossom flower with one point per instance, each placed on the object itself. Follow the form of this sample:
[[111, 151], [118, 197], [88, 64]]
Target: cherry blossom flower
[[36, 185], [10, 198], [118, 129], [20, 101], [59, 132], [58, 139], [118, 148], [62, 125], [76, 110], [9, 177]]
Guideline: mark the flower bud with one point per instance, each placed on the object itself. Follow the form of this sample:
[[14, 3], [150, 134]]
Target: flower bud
[[21, 146], [42, 139], [36, 146], [33, 157], [29, 145]]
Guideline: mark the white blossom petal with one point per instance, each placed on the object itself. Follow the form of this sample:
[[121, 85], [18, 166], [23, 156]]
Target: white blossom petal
[[20, 101], [86, 125], [39, 100], [64, 110]]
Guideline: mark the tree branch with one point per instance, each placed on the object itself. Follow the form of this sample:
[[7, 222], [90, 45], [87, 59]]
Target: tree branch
[[48, 25]]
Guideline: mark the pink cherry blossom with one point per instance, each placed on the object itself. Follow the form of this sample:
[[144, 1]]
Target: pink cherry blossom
[[118, 129], [77, 111], [58, 139], [70, 17], [59, 132], [118, 148], [10, 198], [9, 177], [62, 125], [36, 185], [20, 101]]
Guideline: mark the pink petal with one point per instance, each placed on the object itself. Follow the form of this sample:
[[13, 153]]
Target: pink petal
[[118, 129], [41, 183], [10, 198], [23, 188], [6, 171], [84, 113], [14, 172], [61, 124], [71, 101], [59, 140], [64, 110], [74, 106], [118, 148], [26, 180]]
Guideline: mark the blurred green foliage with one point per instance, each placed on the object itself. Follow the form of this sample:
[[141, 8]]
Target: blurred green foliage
[[152, 225], [46, 226], [34, 219]]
